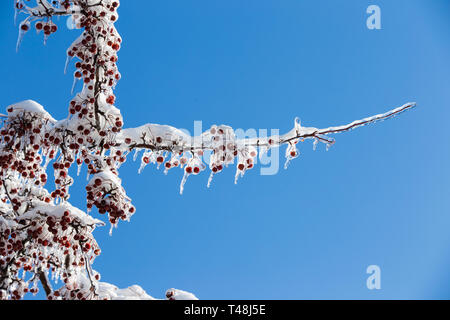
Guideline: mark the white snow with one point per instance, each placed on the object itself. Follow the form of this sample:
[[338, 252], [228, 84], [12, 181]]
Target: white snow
[[57, 211], [135, 292], [31, 107]]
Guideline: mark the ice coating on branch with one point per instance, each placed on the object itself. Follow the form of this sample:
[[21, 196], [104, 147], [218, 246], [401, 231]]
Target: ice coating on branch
[[369, 120], [149, 133], [174, 148]]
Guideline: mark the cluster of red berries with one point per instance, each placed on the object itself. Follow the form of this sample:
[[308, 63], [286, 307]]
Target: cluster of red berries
[[76, 294], [190, 161], [75, 289], [23, 247], [109, 198], [92, 48], [226, 149], [62, 180], [194, 164], [63, 243], [21, 139], [47, 27], [220, 139]]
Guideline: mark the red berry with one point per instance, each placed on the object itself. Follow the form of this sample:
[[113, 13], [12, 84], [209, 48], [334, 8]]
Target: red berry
[[110, 99]]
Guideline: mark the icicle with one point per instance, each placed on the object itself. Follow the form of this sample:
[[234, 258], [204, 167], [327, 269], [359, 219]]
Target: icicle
[[297, 124], [70, 23], [143, 164], [286, 164], [183, 181], [16, 13], [47, 161], [315, 144], [68, 59], [111, 229], [210, 179], [19, 39], [291, 153], [238, 173], [73, 85], [79, 169], [136, 152]]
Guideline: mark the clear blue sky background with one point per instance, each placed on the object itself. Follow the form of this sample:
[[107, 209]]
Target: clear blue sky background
[[379, 196]]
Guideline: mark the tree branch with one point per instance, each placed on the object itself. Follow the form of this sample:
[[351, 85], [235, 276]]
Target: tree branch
[[45, 283], [169, 134]]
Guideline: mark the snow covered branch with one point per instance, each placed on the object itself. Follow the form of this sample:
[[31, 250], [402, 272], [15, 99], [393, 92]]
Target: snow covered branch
[[166, 138], [175, 148], [43, 237]]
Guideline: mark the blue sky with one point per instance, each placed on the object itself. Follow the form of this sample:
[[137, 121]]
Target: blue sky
[[378, 196]]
